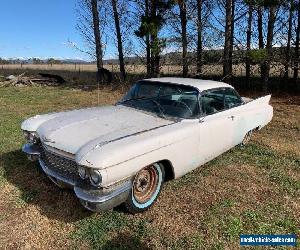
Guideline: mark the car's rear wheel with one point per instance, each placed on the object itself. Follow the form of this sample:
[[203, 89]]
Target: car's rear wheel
[[146, 188], [247, 138]]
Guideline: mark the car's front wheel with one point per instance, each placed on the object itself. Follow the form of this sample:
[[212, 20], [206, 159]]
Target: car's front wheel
[[146, 188]]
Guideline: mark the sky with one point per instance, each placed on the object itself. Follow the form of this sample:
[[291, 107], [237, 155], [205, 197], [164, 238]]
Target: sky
[[39, 28], [44, 28]]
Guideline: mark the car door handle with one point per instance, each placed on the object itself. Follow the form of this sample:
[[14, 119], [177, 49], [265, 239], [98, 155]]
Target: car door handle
[[231, 117]]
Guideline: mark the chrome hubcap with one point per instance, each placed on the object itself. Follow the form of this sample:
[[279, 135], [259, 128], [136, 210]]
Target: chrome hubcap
[[145, 184]]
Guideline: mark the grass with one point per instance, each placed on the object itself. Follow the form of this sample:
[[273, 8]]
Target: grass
[[97, 230], [254, 189]]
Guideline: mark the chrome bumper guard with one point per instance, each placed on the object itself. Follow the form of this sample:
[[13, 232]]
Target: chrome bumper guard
[[32, 151], [92, 199]]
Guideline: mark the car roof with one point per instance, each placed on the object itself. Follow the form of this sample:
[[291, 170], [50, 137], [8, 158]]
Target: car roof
[[201, 85]]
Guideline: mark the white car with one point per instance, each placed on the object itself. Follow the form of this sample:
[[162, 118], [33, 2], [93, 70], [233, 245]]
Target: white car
[[162, 129]]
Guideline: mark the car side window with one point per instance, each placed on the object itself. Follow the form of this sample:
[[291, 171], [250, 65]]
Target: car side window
[[212, 101], [232, 99]]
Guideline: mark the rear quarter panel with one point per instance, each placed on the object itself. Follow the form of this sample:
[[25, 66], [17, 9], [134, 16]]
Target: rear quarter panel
[[254, 114]]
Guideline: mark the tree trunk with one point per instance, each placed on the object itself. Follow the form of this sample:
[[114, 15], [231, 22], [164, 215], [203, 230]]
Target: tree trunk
[[183, 20], [154, 44], [199, 34], [260, 28], [148, 52], [231, 38], [271, 22], [227, 60], [296, 66], [97, 38], [148, 55], [249, 35], [288, 46], [261, 44], [119, 39]]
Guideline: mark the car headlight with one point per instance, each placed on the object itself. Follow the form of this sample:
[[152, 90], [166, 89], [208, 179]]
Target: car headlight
[[95, 177], [31, 137], [83, 173]]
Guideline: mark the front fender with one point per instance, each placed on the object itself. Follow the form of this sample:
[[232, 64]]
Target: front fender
[[123, 158], [103, 156], [109, 154]]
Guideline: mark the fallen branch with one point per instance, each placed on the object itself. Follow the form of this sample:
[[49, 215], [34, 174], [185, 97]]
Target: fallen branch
[[21, 80]]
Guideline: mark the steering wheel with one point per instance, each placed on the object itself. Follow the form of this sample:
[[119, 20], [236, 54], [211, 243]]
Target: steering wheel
[[161, 109], [184, 104]]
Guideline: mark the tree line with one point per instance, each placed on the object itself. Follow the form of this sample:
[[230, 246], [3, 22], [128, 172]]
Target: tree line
[[251, 32]]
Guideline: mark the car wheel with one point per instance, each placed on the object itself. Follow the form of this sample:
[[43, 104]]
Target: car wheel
[[247, 138], [146, 188]]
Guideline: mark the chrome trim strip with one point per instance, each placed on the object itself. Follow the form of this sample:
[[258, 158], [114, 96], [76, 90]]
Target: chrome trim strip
[[58, 152], [54, 174], [81, 194], [133, 134]]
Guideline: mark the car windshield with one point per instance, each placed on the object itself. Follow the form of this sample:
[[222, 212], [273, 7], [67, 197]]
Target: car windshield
[[163, 99]]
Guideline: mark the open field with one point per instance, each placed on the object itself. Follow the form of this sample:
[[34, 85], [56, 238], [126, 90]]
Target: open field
[[277, 70], [251, 190], [83, 76]]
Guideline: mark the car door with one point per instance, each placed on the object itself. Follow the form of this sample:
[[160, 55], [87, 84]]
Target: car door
[[246, 116], [215, 125], [234, 107]]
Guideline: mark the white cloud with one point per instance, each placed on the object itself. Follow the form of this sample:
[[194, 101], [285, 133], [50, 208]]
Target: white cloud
[[169, 49], [69, 44]]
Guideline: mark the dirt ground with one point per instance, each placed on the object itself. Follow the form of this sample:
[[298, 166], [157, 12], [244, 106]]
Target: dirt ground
[[255, 189]]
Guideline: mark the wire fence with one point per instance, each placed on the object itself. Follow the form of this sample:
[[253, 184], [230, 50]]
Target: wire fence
[[277, 69]]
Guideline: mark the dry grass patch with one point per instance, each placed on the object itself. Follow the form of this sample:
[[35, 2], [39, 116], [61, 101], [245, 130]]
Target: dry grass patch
[[283, 134]]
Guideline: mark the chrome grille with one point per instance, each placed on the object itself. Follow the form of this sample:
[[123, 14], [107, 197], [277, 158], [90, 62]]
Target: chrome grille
[[62, 166]]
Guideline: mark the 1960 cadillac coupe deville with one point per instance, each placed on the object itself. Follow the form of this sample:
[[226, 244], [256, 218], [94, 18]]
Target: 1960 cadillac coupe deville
[[160, 130]]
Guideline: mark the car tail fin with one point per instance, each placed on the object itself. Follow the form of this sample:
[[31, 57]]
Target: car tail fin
[[261, 100], [266, 98]]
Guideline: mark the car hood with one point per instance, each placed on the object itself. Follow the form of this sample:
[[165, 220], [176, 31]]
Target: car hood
[[71, 131]]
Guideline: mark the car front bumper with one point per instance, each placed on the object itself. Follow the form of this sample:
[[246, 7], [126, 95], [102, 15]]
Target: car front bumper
[[94, 199]]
